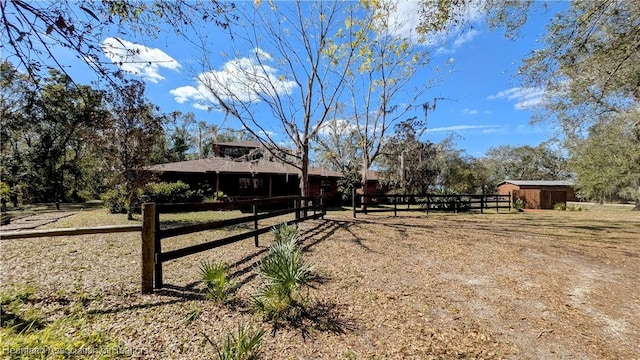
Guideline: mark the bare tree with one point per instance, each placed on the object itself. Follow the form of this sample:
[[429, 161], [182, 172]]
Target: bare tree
[[378, 89], [302, 95]]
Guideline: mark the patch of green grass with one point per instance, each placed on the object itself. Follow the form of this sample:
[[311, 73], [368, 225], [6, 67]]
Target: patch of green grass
[[27, 333]]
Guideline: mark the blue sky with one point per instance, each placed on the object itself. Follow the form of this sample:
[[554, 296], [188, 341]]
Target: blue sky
[[487, 105]]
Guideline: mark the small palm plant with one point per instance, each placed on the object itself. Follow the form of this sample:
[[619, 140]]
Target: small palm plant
[[284, 274], [285, 233], [215, 278], [244, 345]]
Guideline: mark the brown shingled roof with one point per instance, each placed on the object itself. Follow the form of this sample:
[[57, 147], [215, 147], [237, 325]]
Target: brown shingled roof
[[225, 165]]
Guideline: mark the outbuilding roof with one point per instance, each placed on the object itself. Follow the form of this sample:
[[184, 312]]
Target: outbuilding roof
[[538, 182]]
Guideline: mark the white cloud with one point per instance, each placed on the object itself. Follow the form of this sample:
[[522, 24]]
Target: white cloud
[[202, 106], [525, 98], [464, 127], [245, 79], [461, 39], [138, 59], [466, 111], [465, 37]]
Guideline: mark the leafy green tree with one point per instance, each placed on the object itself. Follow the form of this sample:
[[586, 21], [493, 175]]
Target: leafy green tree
[[607, 162], [134, 139], [180, 131], [542, 162], [589, 64], [590, 69], [463, 174], [46, 133], [16, 96], [407, 163]]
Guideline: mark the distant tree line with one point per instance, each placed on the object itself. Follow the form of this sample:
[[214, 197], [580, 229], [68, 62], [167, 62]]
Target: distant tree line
[[64, 142]]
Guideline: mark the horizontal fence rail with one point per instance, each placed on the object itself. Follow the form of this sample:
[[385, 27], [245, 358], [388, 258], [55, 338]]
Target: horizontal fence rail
[[429, 202], [69, 231], [261, 209]]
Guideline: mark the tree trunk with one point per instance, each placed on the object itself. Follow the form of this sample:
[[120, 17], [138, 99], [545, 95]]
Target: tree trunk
[[365, 180], [304, 171], [637, 207]]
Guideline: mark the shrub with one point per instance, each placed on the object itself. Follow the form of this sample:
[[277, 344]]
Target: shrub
[[284, 273], [518, 204], [217, 196], [574, 207], [116, 201], [244, 345], [214, 276], [560, 206], [5, 191], [177, 192]]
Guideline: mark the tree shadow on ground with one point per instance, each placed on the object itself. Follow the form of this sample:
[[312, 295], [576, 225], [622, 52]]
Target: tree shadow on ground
[[328, 228], [180, 294]]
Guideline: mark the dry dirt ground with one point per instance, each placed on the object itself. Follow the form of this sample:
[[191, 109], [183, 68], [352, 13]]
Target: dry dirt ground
[[543, 285]]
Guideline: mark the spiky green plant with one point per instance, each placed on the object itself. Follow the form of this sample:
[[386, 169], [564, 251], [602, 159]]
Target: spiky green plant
[[214, 275], [285, 233], [284, 274], [243, 345]]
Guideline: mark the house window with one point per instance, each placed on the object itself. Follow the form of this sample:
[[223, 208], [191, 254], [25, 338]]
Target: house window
[[325, 184], [251, 183]]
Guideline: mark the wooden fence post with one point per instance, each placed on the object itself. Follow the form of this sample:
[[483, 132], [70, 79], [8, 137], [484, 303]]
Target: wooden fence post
[[157, 277], [148, 246], [395, 206], [428, 203], [305, 204], [353, 201], [297, 202], [255, 222]]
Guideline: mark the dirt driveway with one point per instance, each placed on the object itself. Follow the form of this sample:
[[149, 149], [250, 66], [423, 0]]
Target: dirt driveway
[[543, 285], [547, 285]]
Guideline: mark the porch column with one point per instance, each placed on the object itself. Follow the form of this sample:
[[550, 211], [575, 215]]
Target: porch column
[[270, 185]]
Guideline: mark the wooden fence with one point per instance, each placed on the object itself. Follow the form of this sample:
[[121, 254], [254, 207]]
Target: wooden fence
[[304, 208], [429, 202], [152, 234], [10, 235]]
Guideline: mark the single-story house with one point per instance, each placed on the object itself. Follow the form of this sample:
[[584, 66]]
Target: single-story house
[[538, 194], [246, 178], [240, 169]]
